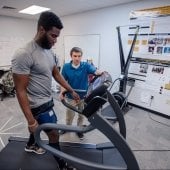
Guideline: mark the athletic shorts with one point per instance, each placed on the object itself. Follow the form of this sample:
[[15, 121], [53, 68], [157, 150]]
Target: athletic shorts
[[48, 116]]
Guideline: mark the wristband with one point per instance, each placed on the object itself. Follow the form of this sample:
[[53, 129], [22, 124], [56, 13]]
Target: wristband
[[32, 125]]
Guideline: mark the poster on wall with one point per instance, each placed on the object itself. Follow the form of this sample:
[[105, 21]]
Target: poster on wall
[[154, 37], [150, 63], [138, 71]]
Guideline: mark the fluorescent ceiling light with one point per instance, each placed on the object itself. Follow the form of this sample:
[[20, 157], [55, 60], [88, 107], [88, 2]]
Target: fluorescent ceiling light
[[34, 9]]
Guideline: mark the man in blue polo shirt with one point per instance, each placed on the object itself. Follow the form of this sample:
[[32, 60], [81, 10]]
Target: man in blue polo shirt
[[76, 74]]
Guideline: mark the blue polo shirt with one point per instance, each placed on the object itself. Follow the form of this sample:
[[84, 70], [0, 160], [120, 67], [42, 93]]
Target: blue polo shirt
[[78, 77]]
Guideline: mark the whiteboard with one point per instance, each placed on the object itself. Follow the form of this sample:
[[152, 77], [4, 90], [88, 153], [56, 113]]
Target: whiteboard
[[89, 43], [8, 46]]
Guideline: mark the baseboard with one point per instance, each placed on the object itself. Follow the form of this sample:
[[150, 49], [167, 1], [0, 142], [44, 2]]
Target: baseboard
[[152, 111]]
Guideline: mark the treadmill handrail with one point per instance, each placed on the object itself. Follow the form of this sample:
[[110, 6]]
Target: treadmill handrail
[[96, 102], [72, 159], [116, 139], [99, 91], [70, 106]]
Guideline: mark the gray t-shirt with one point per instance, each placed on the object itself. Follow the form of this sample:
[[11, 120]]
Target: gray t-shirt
[[38, 63]]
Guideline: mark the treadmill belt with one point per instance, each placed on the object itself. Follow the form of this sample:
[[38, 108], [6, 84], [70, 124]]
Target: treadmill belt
[[109, 156], [13, 157], [108, 112], [113, 157]]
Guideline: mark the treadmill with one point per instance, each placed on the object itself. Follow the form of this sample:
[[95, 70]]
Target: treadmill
[[13, 157], [115, 154]]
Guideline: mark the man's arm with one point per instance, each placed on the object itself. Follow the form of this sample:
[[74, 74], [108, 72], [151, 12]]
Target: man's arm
[[60, 79], [21, 83], [98, 72]]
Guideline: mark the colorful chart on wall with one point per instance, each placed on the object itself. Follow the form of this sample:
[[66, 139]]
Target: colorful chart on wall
[[154, 37], [150, 63]]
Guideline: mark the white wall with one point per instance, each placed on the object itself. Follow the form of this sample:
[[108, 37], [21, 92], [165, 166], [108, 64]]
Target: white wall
[[14, 33], [17, 27], [104, 22]]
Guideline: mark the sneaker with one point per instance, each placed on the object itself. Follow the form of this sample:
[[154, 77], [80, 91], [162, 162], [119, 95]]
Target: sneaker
[[80, 135], [35, 149], [62, 132], [64, 166], [69, 168]]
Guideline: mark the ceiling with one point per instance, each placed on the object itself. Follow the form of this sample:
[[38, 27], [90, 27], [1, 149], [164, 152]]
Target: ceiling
[[60, 7]]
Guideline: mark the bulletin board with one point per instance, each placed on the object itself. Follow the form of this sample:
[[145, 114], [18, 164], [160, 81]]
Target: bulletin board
[[150, 63], [89, 43]]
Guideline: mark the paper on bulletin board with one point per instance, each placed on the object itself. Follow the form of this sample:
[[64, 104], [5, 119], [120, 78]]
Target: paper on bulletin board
[[156, 76], [145, 97]]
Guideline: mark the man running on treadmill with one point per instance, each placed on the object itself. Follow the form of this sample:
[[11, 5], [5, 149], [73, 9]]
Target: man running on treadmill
[[33, 67]]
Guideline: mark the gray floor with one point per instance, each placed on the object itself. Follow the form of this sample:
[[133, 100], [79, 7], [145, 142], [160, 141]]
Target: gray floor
[[147, 134]]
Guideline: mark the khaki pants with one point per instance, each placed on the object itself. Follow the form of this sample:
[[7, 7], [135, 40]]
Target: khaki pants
[[70, 113]]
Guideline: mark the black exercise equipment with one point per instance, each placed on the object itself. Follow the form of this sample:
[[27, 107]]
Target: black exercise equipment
[[111, 155], [13, 157], [121, 96], [125, 65], [115, 154]]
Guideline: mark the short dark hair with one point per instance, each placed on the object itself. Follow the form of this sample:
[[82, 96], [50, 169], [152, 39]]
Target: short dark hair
[[76, 49], [48, 20]]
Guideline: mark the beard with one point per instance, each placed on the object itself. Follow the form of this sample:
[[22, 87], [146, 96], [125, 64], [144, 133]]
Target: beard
[[45, 42]]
